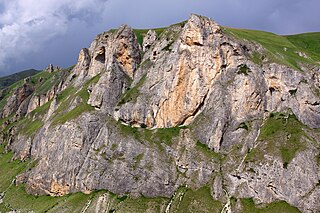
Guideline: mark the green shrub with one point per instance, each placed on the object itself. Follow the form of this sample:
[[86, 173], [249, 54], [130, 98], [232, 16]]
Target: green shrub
[[243, 69]]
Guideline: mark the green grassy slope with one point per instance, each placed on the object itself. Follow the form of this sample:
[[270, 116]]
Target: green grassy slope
[[282, 49], [11, 79], [309, 42], [278, 206]]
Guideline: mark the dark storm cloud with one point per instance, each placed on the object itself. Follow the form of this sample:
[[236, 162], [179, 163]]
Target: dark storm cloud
[[35, 33]]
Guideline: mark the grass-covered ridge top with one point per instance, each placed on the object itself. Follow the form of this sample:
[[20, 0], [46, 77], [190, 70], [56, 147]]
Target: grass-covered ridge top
[[291, 50]]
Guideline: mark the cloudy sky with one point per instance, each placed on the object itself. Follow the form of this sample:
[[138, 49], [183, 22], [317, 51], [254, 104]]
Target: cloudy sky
[[34, 33]]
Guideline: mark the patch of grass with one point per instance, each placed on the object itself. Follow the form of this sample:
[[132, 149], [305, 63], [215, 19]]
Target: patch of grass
[[133, 93], [282, 49], [67, 97], [277, 206], [69, 203], [142, 204], [163, 135], [65, 94], [283, 135], [140, 33], [6, 119], [127, 130], [17, 198], [9, 169], [2, 149], [254, 155], [4, 98], [72, 114], [121, 199], [198, 201], [42, 110], [166, 135], [44, 81], [257, 58], [30, 128], [203, 148], [180, 24], [137, 160], [47, 84]]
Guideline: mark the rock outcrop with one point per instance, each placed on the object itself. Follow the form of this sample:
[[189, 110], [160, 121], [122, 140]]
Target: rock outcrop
[[188, 107], [148, 40], [18, 101]]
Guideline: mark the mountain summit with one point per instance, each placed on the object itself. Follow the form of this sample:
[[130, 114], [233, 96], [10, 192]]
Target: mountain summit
[[193, 116]]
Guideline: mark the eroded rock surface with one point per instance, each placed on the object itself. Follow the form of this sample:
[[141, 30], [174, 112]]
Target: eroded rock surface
[[186, 108]]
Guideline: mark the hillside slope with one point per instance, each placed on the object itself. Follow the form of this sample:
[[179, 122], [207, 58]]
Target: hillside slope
[[193, 117], [11, 79]]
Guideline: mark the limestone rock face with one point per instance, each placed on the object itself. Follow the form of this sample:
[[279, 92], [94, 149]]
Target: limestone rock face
[[18, 98], [188, 109], [109, 159], [40, 100], [182, 81], [112, 58], [148, 40], [121, 54], [201, 61]]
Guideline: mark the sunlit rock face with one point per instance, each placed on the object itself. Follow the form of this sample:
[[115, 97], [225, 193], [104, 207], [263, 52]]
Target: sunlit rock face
[[187, 106]]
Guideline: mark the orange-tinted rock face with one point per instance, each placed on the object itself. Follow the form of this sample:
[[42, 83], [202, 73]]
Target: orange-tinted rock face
[[125, 59], [58, 189]]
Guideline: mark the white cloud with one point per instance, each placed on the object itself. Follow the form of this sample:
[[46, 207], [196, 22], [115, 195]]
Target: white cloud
[[26, 25]]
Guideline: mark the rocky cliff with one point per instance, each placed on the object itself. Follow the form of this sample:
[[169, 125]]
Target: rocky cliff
[[144, 113]]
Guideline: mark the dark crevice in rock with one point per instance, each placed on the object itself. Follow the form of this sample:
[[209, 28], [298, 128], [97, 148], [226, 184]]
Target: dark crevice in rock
[[293, 91], [272, 90], [237, 176], [198, 44], [198, 109], [316, 103]]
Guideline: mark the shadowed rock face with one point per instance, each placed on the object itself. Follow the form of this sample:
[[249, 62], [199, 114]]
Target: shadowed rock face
[[18, 98], [192, 75]]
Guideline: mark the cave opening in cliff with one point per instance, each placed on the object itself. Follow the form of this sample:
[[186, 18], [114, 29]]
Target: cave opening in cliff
[[101, 56]]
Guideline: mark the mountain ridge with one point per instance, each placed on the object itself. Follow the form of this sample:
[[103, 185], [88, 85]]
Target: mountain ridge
[[195, 105], [6, 81]]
